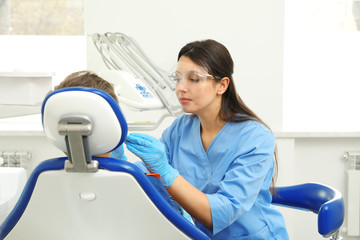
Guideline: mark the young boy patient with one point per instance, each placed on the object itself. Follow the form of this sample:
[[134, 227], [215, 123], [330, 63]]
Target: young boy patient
[[92, 80]]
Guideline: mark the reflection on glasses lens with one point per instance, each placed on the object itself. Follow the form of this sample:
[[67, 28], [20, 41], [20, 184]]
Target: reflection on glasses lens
[[176, 77], [191, 76]]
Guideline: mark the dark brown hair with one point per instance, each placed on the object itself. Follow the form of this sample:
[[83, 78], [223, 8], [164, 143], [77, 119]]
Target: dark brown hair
[[216, 59], [87, 79]]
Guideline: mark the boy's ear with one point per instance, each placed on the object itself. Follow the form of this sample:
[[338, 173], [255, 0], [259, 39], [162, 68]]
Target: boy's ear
[[223, 85]]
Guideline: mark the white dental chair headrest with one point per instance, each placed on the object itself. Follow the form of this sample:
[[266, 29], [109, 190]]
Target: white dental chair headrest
[[109, 125]]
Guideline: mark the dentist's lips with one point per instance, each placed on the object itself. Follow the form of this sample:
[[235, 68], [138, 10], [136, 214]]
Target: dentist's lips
[[184, 100]]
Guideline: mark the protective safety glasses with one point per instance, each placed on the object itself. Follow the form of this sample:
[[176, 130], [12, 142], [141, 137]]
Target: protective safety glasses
[[192, 77]]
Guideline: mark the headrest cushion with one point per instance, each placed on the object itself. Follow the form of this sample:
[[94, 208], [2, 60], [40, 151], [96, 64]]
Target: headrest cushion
[[109, 124]]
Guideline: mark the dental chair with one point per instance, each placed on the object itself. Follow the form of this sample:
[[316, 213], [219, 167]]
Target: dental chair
[[325, 201], [86, 197]]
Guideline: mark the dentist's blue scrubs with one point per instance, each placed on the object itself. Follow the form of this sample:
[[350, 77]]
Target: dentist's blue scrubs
[[235, 173]]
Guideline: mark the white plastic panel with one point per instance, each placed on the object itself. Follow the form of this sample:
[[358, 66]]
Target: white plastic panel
[[107, 133], [131, 91], [353, 212], [102, 205], [12, 182]]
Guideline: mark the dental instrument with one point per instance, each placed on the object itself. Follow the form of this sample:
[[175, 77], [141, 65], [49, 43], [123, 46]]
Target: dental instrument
[[138, 83]]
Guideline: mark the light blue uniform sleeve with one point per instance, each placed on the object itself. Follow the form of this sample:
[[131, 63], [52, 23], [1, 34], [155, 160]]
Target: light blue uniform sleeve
[[250, 172]]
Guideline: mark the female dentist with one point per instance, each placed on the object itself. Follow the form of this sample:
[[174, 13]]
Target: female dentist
[[218, 162]]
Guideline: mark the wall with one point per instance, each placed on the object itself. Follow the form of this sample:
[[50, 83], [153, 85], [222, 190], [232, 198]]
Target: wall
[[39, 147], [251, 30]]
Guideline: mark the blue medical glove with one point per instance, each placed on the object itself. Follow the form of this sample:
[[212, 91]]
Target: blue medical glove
[[118, 153], [153, 153]]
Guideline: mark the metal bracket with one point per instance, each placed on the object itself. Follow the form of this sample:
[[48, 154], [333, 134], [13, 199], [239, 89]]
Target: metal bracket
[[76, 129], [335, 236]]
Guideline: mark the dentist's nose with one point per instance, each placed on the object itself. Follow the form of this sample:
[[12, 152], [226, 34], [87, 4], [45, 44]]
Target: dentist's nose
[[181, 86]]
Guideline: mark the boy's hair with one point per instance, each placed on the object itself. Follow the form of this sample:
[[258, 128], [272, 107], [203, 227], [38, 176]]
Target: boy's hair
[[87, 79]]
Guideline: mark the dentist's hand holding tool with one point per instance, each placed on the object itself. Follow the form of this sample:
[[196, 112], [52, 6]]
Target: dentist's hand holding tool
[[153, 154]]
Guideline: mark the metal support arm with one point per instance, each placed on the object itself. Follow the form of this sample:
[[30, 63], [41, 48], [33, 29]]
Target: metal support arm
[[76, 130]]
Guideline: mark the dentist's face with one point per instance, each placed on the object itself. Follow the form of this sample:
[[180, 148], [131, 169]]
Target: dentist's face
[[196, 90]]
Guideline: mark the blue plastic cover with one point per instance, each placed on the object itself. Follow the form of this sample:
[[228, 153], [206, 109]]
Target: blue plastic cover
[[323, 200]]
